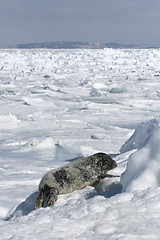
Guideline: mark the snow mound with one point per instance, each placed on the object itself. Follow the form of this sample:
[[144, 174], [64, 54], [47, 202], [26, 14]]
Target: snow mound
[[143, 167], [99, 85], [47, 143], [9, 122], [3, 212], [140, 136]]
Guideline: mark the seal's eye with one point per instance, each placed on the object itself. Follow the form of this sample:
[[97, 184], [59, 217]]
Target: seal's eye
[[100, 163]]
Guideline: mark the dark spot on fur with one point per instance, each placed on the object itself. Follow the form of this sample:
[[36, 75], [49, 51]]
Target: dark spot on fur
[[62, 177], [84, 173], [100, 163], [86, 176]]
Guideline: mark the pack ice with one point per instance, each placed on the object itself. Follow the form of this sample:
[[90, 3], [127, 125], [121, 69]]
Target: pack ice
[[59, 105]]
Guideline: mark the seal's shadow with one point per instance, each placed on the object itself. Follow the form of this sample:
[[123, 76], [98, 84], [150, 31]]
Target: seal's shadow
[[23, 208], [110, 190], [106, 188]]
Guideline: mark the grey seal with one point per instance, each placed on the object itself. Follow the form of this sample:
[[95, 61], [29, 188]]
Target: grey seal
[[83, 172]]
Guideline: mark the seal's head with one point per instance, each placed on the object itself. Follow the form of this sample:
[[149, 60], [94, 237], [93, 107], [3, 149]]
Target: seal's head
[[104, 162]]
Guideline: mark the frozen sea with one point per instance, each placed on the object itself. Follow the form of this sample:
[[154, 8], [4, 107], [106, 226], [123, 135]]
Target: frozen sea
[[59, 105]]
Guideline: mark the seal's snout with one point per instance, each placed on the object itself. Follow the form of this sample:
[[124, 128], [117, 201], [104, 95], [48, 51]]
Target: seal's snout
[[111, 164], [114, 164]]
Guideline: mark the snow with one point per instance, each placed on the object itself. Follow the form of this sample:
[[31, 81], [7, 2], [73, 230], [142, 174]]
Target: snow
[[59, 105], [141, 135], [143, 168]]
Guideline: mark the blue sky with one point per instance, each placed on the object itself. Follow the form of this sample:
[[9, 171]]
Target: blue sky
[[121, 21]]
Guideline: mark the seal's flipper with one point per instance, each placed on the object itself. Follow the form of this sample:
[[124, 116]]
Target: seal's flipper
[[111, 176], [40, 199], [46, 197], [52, 197]]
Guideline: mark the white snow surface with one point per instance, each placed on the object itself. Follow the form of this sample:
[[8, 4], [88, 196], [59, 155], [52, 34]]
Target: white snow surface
[[143, 167], [141, 135], [58, 105]]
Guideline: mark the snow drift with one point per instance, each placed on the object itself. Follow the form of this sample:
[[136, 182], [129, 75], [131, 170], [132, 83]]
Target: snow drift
[[140, 136], [143, 167]]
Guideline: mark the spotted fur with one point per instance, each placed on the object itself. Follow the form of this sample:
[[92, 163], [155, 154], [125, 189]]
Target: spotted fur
[[73, 176]]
